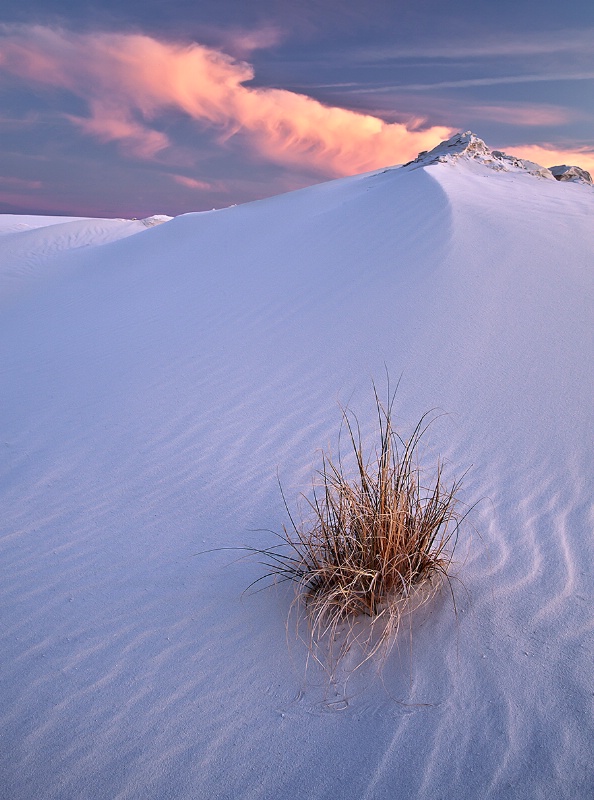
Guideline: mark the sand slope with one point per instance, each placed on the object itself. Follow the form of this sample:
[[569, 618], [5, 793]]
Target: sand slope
[[152, 386], [30, 247]]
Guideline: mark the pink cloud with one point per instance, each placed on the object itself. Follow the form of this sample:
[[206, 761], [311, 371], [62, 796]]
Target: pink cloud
[[113, 124], [527, 115], [131, 80], [550, 156], [192, 183]]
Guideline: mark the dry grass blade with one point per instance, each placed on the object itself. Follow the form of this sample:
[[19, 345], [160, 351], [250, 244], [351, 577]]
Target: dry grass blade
[[371, 544]]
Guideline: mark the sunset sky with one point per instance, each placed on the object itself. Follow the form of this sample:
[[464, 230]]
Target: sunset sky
[[135, 107]]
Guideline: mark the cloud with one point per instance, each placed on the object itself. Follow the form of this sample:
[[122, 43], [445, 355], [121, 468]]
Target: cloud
[[465, 83], [551, 156], [525, 114], [19, 183], [112, 124], [501, 80], [192, 183], [243, 42], [573, 42], [509, 113], [131, 81]]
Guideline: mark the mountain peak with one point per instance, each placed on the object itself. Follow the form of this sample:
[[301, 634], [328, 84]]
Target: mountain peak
[[469, 147]]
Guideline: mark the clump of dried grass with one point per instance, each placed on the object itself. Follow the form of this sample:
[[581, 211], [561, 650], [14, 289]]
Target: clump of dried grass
[[376, 543]]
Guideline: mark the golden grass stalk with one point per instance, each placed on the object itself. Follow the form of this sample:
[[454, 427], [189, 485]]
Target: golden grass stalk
[[373, 543]]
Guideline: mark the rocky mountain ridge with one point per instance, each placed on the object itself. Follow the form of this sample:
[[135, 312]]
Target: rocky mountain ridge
[[469, 146]]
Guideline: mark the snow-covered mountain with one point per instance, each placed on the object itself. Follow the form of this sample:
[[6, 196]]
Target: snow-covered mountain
[[155, 379]]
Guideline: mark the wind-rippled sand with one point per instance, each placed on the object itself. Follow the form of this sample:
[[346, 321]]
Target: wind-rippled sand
[[154, 381]]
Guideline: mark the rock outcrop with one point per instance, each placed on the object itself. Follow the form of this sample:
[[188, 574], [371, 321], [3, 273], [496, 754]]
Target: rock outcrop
[[468, 145], [572, 174]]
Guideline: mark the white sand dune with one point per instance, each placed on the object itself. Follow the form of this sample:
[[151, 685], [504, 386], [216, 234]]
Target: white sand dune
[[28, 249], [152, 385]]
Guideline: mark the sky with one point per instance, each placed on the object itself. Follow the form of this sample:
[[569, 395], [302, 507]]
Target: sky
[[127, 108]]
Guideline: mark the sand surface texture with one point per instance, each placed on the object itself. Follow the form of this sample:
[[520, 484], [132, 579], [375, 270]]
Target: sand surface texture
[[155, 380]]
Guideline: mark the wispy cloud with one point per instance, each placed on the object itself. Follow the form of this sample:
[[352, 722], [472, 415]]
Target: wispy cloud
[[242, 43], [192, 183], [525, 115], [131, 81], [510, 113], [551, 155], [501, 80], [465, 83], [19, 183], [109, 122], [572, 42]]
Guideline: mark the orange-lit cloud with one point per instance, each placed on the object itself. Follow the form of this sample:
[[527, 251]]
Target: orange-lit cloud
[[113, 124], [129, 81], [549, 156]]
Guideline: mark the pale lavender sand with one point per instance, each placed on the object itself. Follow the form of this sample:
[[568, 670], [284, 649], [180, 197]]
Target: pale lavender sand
[[154, 380]]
